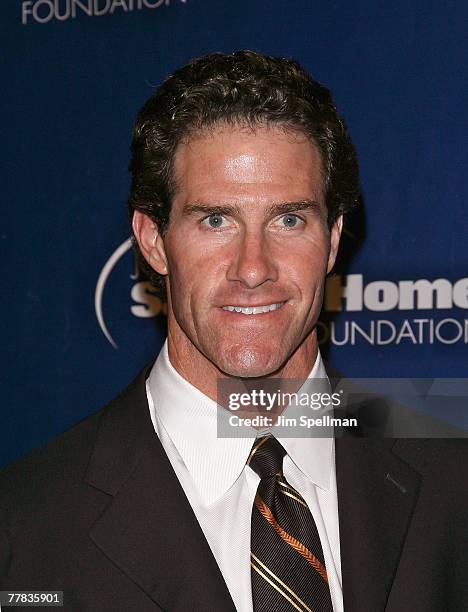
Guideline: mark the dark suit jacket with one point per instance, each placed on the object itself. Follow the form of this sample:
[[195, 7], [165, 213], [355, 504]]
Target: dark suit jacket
[[100, 514]]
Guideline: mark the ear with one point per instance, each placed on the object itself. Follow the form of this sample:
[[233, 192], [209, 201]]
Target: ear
[[335, 235], [150, 242]]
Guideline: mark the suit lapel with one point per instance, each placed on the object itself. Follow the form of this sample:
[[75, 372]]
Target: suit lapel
[[149, 529], [377, 493]]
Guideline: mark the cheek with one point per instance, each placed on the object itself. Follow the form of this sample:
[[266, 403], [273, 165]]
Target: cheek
[[193, 281], [190, 251], [306, 264]]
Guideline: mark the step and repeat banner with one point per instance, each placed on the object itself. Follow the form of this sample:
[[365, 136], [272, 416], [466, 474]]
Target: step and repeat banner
[[79, 320]]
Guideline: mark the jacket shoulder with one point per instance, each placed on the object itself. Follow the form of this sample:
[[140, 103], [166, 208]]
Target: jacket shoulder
[[44, 475], [60, 462], [446, 458]]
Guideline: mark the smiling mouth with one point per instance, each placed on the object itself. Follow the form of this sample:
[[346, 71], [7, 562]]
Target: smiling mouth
[[253, 310]]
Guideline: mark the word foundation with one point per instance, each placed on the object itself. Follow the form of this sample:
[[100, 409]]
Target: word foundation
[[43, 11], [382, 332]]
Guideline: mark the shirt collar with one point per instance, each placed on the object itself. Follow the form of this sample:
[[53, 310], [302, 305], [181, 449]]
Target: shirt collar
[[190, 420], [313, 455]]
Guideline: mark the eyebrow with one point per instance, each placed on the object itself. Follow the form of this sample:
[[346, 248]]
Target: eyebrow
[[280, 208], [283, 208]]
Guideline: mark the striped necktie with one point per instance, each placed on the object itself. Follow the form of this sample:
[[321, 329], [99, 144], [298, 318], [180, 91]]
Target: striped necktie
[[288, 566]]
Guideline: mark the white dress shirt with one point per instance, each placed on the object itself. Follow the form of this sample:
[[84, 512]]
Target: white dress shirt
[[221, 488]]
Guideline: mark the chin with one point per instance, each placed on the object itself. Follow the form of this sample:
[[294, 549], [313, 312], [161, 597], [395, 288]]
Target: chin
[[248, 362]]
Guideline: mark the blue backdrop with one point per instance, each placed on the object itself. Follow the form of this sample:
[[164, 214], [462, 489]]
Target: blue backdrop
[[78, 320]]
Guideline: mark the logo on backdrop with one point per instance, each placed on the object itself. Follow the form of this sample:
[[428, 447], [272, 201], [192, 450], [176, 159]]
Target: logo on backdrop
[[351, 294], [426, 301], [43, 11], [144, 303]]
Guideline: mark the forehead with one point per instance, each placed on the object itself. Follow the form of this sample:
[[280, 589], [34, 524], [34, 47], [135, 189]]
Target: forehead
[[239, 161]]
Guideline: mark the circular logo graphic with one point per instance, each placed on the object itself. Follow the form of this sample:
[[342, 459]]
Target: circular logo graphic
[[101, 283]]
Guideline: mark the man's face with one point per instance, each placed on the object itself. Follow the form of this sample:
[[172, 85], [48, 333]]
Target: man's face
[[246, 251]]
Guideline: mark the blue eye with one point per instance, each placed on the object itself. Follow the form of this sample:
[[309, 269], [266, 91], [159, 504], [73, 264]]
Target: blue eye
[[290, 220], [215, 221]]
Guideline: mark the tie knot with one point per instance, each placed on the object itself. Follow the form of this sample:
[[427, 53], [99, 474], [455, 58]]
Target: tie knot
[[266, 457]]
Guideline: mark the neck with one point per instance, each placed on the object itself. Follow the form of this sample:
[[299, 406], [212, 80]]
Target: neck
[[203, 374]]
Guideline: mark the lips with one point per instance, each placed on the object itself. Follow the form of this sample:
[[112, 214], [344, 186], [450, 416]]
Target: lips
[[254, 310]]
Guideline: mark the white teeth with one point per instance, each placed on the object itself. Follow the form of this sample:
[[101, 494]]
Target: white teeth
[[254, 309]]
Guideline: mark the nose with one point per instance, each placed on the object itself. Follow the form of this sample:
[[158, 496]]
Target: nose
[[253, 263]]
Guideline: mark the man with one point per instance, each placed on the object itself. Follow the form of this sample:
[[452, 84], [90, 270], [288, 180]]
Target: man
[[242, 172]]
